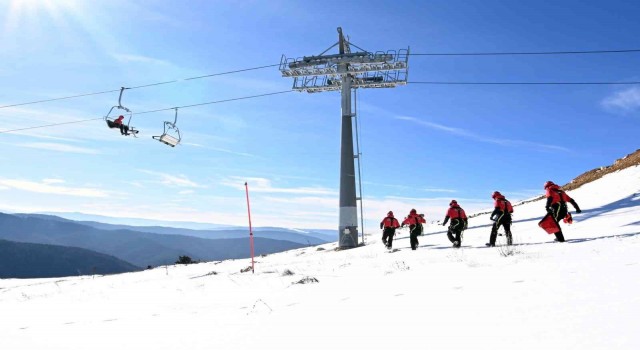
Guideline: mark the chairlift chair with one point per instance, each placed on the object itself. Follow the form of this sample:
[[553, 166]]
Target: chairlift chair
[[110, 120], [171, 134]]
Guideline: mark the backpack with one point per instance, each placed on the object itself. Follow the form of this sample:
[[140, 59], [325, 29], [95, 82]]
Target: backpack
[[460, 211], [388, 221], [507, 207], [564, 198]]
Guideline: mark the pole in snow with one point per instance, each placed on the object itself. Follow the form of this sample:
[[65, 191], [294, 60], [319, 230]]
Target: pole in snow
[[250, 228]]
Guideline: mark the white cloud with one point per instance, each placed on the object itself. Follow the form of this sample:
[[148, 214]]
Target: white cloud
[[49, 188], [186, 192], [231, 152], [191, 144], [311, 202], [258, 184], [58, 147], [445, 190], [127, 58], [405, 187], [470, 135], [52, 181], [625, 101], [135, 184], [178, 181], [173, 180]]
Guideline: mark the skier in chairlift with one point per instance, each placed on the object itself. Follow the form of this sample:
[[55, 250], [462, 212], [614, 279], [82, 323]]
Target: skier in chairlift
[[124, 130], [118, 123]]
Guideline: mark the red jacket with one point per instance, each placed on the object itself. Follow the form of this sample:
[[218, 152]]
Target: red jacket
[[503, 205], [453, 213], [414, 219], [389, 222], [557, 195]]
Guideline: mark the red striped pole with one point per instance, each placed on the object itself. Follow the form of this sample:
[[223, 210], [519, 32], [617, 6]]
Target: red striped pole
[[250, 228]]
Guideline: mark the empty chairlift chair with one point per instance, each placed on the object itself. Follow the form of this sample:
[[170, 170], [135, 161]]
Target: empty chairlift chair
[[171, 134]]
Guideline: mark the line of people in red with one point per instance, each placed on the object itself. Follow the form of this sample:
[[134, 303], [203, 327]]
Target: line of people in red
[[556, 207]]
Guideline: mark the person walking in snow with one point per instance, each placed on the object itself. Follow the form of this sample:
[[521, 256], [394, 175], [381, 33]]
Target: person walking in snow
[[415, 221], [501, 216], [458, 223], [557, 205], [389, 225]]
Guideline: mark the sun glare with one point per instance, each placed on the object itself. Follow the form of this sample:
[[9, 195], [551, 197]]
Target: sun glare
[[27, 13]]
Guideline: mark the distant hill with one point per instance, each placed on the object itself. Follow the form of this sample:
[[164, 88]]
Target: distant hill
[[304, 237], [30, 260], [138, 248], [135, 221], [627, 161]]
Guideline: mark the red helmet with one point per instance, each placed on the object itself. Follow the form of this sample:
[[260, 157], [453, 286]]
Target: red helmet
[[547, 184], [496, 194], [453, 203], [121, 117], [390, 213], [413, 211]]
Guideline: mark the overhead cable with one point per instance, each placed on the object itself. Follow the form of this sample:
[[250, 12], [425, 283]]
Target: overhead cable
[[525, 53], [139, 86], [59, 98], [146, 112], [275, 65], [521, 83]]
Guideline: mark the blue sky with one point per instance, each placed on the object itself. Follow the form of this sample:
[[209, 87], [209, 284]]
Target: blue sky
[[422, 145]]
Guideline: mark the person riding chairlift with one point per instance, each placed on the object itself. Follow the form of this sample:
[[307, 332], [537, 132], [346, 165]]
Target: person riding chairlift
[[124, 130]]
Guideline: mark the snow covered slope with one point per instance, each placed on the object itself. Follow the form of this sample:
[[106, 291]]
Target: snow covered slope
[[582, 294]]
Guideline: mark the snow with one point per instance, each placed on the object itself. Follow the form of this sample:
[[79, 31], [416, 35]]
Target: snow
[[582, 294]]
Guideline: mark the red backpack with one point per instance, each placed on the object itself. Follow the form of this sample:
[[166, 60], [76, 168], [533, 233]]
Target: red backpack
[[505, 205]]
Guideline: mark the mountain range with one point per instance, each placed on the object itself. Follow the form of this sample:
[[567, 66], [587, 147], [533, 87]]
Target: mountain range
[[133, 245], [28, 260]]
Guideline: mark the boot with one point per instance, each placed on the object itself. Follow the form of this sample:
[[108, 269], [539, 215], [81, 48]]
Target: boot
[[492, 239]]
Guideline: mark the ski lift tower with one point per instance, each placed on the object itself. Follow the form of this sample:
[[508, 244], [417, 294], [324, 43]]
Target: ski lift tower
[[345, 71]]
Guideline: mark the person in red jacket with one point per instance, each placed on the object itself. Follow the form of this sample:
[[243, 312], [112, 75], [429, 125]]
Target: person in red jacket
[[389, 225], [415, 221], [501, 216], [458, 223], [124, 130], [557, 205]]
